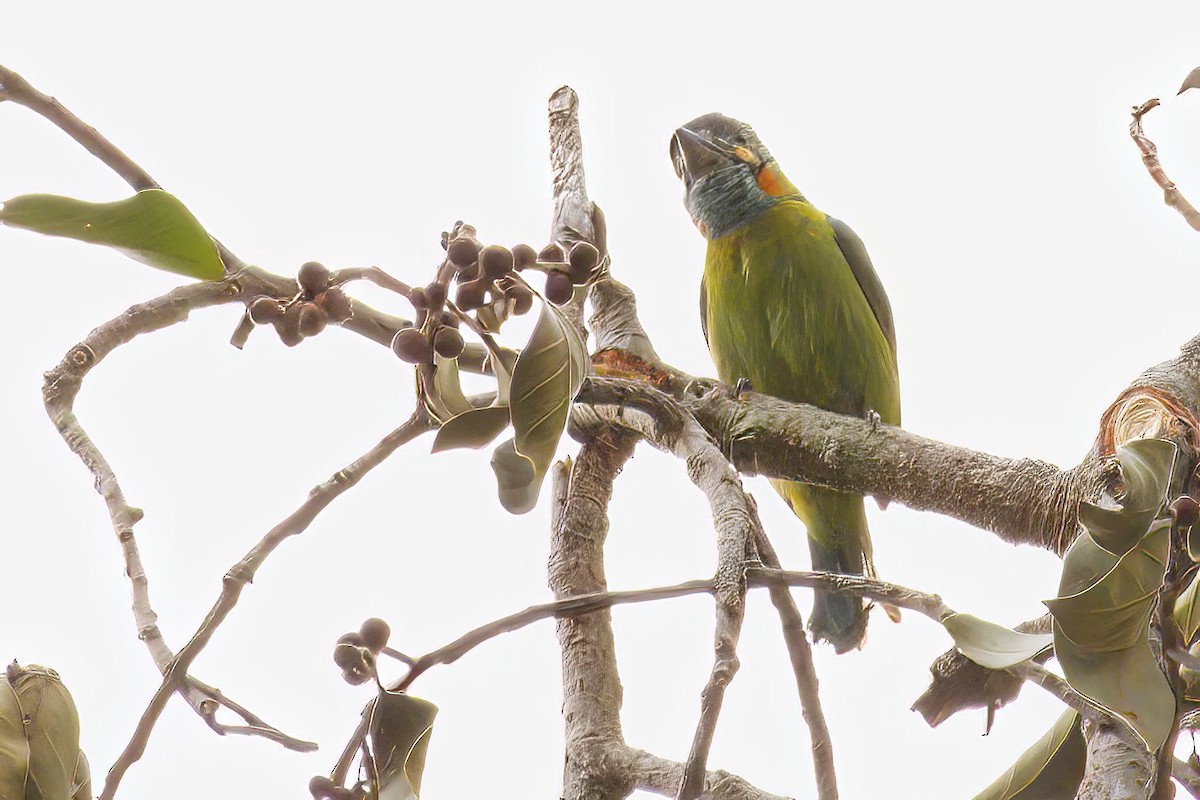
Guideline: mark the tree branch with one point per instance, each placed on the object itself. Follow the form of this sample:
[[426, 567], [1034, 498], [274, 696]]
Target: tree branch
[[1171, 194], [243, 573]]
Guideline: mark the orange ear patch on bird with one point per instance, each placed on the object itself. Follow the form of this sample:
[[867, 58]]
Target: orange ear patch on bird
[[773, 182]]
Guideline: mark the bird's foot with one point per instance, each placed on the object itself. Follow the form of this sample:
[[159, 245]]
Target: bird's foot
[[873, 418], [740, 387]]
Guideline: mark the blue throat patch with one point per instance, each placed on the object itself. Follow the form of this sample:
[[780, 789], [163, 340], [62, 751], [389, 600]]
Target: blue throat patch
[[725, 200]]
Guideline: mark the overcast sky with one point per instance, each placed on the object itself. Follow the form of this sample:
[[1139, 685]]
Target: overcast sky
[[980, 151]]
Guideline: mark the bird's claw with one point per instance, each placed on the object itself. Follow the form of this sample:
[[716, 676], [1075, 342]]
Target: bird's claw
[[873, 418], [740, 387]]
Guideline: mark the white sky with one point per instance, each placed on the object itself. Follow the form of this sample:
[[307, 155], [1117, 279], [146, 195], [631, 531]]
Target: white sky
[[981, 154]]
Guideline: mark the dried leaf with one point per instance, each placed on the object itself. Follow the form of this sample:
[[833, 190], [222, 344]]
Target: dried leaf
[[153, 227], [1049, 770], [993, 646], [400, 728], [1192, 81]]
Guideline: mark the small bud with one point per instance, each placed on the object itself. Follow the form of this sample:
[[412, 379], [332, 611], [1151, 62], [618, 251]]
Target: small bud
[[265, 309], [321, 787], [559, 288], [336, 304], [313, 278], [495, 261], [448, 342], [374, 634], [1186, 510], [524, 257], [551, 254], [463, 252], [584, 259], [312, 319], [412, 346]]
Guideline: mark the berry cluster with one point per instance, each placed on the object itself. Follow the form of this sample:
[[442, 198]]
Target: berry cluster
[[487, 282], [355, 652], [306, 314]]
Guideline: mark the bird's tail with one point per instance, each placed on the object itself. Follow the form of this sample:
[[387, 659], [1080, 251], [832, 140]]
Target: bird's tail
[[839, 541]]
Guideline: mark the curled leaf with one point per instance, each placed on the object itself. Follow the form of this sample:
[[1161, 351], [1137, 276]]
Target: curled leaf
[[39, 737], [400, 727], [153, 227], [1192, 81], [475, 428]]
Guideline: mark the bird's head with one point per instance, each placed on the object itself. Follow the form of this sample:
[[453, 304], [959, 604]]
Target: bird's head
[[729, 176]]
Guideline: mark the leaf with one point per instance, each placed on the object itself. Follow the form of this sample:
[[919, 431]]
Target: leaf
[[400, 727], [444, 397], [1110, 582], [993, 646], [503, 360], [1192, 81], [39, 736], [546, 377], [1146, 466], [475, 428], [153, 227], [516, 479], [1049, 770], [1187, 610]]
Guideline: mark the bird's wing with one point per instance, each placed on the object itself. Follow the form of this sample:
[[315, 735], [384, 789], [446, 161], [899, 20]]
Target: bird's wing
[[704, 309], [856, 256]]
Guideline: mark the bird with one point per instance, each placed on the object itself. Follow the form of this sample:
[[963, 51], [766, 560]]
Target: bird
[[791, 304]]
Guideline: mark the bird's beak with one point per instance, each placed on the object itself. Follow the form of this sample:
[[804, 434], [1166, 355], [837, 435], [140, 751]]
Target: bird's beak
[[696, 155]]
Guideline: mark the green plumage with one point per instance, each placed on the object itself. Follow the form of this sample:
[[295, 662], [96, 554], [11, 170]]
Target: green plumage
[[791, 302]]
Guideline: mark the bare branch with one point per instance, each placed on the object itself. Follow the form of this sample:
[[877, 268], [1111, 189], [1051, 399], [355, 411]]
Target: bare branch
[[1171, 194], [243, 572]]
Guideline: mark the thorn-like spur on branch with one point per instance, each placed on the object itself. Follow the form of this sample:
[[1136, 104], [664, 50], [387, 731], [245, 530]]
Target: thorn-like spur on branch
[[243, 573], [1171, 194]]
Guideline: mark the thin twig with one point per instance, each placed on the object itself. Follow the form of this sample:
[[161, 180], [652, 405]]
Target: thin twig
[[1171, 194], [800, 654], [243, 572]]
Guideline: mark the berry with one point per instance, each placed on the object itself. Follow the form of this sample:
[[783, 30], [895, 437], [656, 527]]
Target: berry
[[265, 309], [551, 254], [313, 278], [374, 634], [524, 256], [449, 319], [522, 298], [584, 258], [448, 342], [470, 295], [495, 261], [412, 346], [1187, 511], [288, 326], [321, 787], [559, 288], [417, 298], [463, 251], [336, 304], [312, 319], [349, 657], [354, 637], [435, 296], [354, 677]]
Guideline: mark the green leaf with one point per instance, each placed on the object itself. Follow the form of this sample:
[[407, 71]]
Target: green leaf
[[444, 397], [1049, 770], [1110, 582], [1187, 610], [993, 646], [546, 377], [400, 727], [152, 227], [39, 737], [475, 428], [1146, 466]]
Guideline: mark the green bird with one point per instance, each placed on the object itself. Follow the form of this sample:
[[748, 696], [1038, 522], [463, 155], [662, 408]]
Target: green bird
[[791, 303]]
